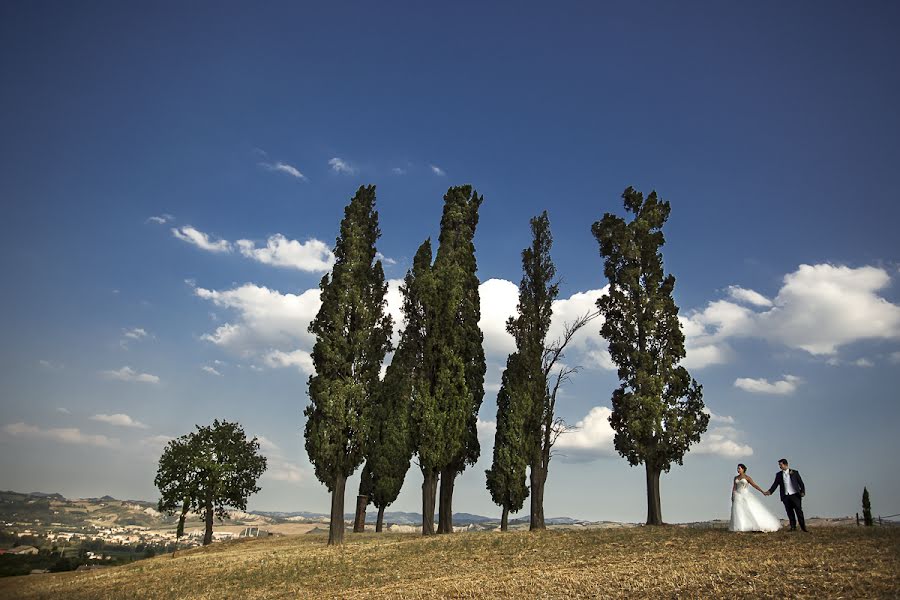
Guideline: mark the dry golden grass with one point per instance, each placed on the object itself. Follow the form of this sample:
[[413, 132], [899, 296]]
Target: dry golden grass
[[658, 562]]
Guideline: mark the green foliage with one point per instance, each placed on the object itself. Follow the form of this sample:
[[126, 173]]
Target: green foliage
[[352, 336], [213, 468], [449, 381], [524, 403], [867, 509], [658, 408]]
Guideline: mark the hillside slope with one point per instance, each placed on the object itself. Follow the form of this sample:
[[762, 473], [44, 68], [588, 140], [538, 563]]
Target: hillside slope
[[634, 562]]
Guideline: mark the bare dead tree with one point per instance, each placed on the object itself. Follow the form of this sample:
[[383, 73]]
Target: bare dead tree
[[555, 375]]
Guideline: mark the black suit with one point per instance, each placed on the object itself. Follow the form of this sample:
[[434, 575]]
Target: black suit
[[793, 503]]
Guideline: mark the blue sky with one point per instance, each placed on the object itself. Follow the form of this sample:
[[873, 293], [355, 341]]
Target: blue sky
[[771, 129]]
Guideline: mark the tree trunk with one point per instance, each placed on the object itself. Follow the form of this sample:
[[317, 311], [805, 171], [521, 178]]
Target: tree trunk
[[445, 510], [429, 491], [336, 528], [359, 524], [184, 510], [207, 537], [538, 478], [380, 521], [504, 520], [654, 508]]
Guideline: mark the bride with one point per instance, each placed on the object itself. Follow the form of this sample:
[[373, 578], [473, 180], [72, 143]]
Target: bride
[[747, 512]]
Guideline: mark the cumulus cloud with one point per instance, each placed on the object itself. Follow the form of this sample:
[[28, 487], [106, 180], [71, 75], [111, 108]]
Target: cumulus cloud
[[202, 240], [749, 296], [590, 439], [266, 318], [722, 441], [312, 255], [210, 370], [119, 420], [128, 374], [299, 359], [788, 385], [156, 442], [281, 167], [339, 165], [714, 418], [437, 170], [818, 309], [65, 435], [398, 171], [499, 301]]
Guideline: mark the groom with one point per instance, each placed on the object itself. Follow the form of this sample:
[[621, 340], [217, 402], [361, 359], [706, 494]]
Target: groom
[[792, 491]]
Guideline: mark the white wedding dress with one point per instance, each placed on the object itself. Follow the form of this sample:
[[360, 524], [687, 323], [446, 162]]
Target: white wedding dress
[[748, 513]]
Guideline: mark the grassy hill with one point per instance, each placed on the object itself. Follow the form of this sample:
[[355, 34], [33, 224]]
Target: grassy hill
[[623, 562]]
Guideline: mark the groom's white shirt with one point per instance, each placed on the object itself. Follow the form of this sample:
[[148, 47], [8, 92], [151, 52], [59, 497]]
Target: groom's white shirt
[[788, 486]]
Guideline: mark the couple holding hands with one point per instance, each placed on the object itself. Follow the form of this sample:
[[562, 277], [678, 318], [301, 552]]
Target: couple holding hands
[[749, 514]]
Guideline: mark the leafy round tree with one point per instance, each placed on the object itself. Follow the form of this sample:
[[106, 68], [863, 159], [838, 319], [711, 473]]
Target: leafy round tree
[[657, 411], [352, 336], [220, 468]]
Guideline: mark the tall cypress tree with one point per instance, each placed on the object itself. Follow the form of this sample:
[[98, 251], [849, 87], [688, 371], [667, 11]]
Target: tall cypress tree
[[867, 509], [391, 445], [456, 259], [352, 336], [657, 411], [506, 477]]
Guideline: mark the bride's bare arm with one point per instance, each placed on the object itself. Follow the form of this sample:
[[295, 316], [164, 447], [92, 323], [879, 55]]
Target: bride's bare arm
[[753, 483]]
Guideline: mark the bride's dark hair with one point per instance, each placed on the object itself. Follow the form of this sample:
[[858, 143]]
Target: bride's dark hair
[[743, 466]]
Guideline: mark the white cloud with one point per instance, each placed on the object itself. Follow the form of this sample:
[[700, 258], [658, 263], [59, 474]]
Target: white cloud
[[818, 309], [135, 334], [339, 165], [499, 299], [277, 467], [161, 219], [398, 171], [437, 170], [722, 441], [66, 435], [63, 410], [156, 442], [211, 370], [714, 418], [384, 259], [267, 318], [128, 374], [299, 359], [486, 429], [191, 235], [284, 168], [311, 255], [749, 296], [895, 358], [788, 385], [50, 365], [119, 420], [863, 362], [590, 439]]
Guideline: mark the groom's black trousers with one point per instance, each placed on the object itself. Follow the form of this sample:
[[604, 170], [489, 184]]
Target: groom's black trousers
[[793, 504]]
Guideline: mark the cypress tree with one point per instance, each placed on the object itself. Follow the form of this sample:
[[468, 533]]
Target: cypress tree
[[391, 445], [456, 262], [867, 509], [352, 336], [506, 477], [657, 411]]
